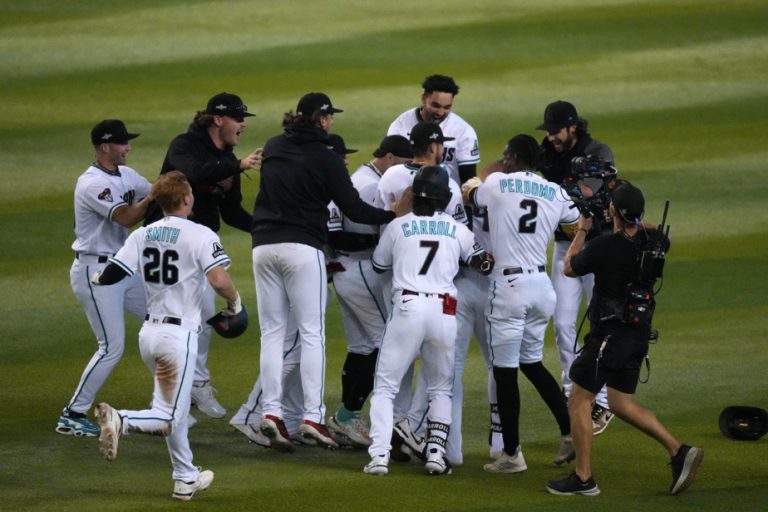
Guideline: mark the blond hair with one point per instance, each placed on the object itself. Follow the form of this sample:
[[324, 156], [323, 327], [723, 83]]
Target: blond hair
[[170, 189]]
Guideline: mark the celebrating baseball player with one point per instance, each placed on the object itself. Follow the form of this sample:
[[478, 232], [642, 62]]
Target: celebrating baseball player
[[423, 250], [462, 152], [359, 291], [205, 155], [110, 197], [176, 257], [524, 210], [567, 137], [300, 175]]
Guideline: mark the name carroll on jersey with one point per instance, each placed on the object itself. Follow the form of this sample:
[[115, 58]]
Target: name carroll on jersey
[[527, 188], [429, 227]]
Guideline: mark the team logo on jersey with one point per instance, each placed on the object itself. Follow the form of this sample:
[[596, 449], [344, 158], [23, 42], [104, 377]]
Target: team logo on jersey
[[475, 149], [106, 195], [218, 250]]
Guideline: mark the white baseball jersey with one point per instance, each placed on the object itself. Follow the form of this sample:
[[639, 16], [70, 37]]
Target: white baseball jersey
[[524, 210], [428, 249], [399, 177], [464, 150], [366, 180], [97, 195], [174, 255]]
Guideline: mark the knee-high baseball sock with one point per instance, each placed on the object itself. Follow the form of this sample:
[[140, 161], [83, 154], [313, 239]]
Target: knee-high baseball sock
[[357, 379], [549, 391], [508, 395]]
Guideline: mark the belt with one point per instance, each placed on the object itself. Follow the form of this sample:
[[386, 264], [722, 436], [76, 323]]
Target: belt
[[101, 258], [163, 320], [185, 324], [432, 295], [517, 270]]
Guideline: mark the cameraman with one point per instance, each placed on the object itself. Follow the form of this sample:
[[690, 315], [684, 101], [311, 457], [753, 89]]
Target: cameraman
[[567, 137], [616, 344]]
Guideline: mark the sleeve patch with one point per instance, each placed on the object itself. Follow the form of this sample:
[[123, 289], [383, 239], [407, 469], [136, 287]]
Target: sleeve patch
[[106, 195], [218, 250]]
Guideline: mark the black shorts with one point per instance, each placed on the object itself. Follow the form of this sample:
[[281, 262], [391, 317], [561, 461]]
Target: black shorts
[[618, 366]]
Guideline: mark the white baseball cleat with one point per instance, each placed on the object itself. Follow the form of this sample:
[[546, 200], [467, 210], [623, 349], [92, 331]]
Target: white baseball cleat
[[379, 465], [202, 397], [185, 490], [354, 429], [416, 444], [253, 434], [111, 430], [508, 463], [566, 452], [436, 463]]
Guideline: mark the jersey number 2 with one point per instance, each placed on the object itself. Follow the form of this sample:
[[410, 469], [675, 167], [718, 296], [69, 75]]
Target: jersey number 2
[[160, 267], [432, 246], [527, 222]]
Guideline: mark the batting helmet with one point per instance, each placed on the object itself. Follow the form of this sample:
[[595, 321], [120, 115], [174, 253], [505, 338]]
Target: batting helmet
[[431, 182], [743, 423], [229, 326]]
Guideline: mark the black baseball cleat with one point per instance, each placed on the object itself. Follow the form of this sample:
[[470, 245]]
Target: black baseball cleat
[[572, 485], [684, 464]]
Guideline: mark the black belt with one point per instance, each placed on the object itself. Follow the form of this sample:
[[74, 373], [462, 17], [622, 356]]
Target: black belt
[[411, 292], [168, 320], [101, 258], [517, 270]]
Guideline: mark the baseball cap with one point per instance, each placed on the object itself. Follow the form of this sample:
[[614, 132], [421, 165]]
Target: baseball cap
[[424, 134], [558, 115], [337, 145], [629, 202], [111, 131], [316, 102], [743, 423], [395, 144], [226, 104]]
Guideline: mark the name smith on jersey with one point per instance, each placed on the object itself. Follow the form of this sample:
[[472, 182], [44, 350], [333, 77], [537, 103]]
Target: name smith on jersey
[[162, 234], [429, 227]]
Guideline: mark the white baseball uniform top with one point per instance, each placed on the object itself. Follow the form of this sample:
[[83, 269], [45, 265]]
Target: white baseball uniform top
[[174, 255], [464, 150], [428, 252], [524, 210], [366, 180], [399, 177], [97, 195]]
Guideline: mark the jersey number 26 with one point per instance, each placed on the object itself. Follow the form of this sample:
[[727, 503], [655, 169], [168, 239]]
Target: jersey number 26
[[160, 267]]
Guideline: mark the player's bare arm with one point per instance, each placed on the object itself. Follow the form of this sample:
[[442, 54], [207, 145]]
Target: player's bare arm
[[583, 227], [129, 215], [219, 279]]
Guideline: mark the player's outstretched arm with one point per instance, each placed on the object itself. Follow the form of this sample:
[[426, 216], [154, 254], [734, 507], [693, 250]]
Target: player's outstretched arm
[[110, 274], [129, 215], [222, 284]]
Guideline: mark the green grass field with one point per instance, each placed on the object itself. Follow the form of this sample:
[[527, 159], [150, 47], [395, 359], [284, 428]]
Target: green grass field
[[676, 87]]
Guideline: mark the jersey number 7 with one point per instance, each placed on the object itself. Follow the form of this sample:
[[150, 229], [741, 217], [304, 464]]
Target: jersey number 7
[[432, 246]]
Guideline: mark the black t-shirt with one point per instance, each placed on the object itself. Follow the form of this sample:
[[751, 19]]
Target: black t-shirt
[[613, 260]]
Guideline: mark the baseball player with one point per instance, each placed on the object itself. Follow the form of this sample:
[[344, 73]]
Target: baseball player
[[423, 250], [359, 290], [298, 178], [462, 152], [205, 154], [110, 197], [427, 140], [178, 258], [524, 210], [567, 137]]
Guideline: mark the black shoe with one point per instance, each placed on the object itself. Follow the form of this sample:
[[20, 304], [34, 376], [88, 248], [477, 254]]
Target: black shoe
[[572, 485], [684, 465], [396, 453]]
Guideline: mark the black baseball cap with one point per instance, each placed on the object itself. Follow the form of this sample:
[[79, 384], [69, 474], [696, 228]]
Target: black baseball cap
[[558, 115], [629, 202], [226, 104], [424, 134], [743, 423], [316, 102], [395, 144], [337, 145], [111, 131]]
